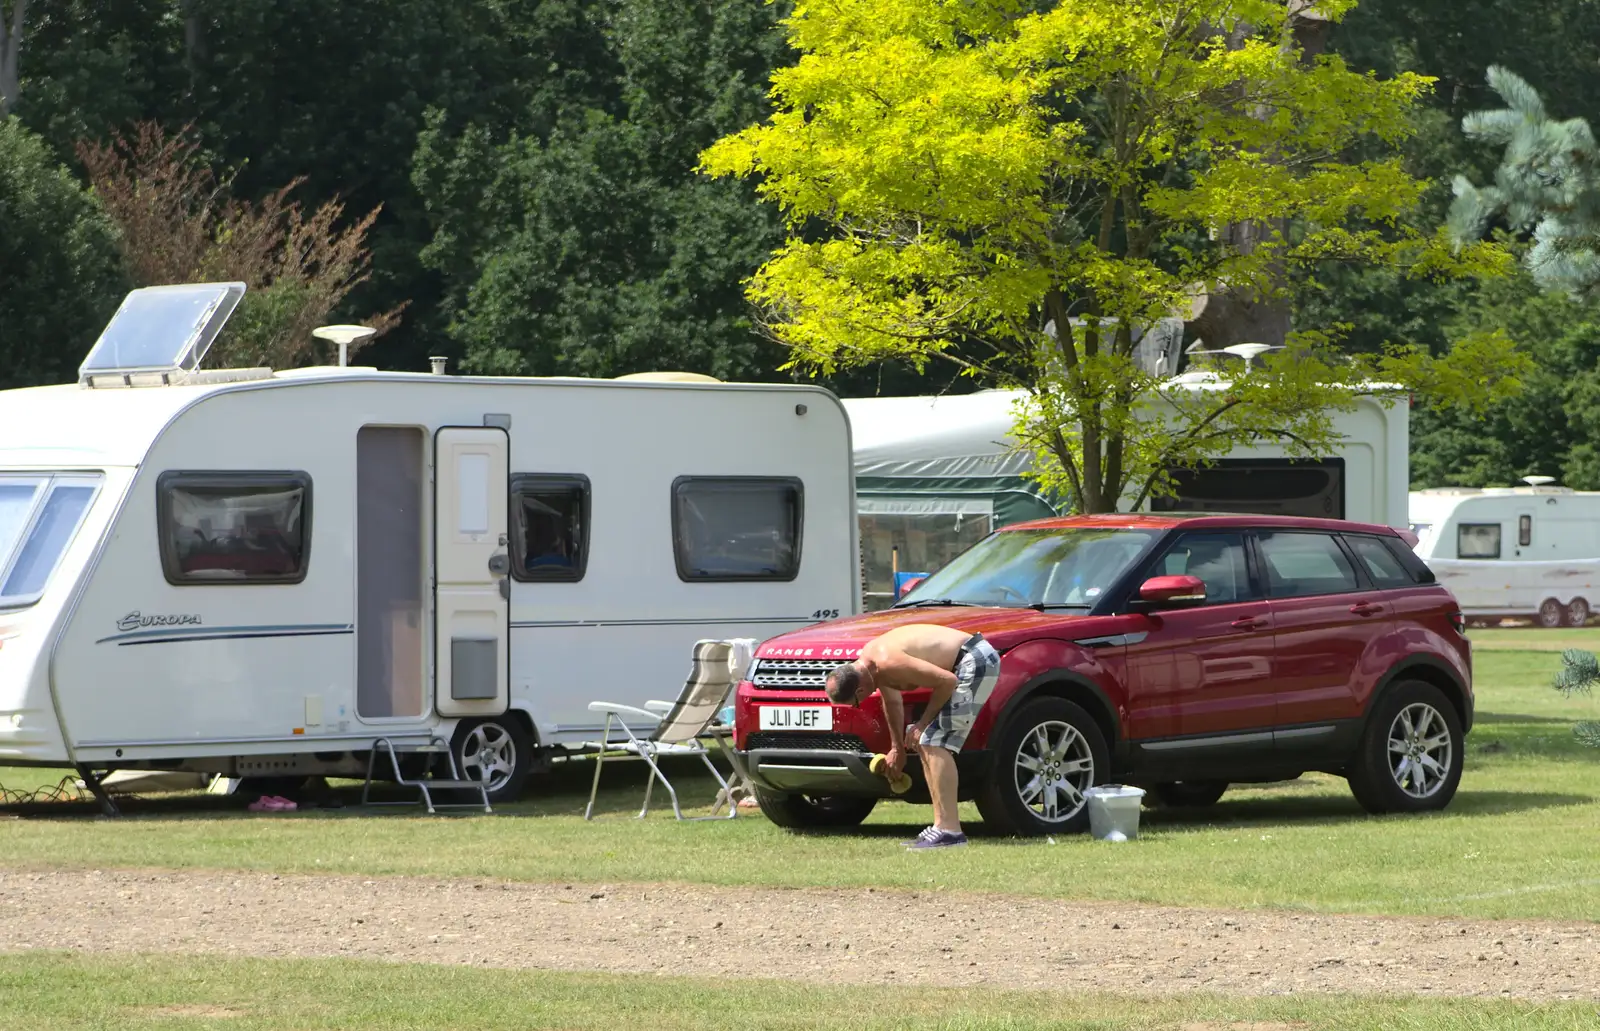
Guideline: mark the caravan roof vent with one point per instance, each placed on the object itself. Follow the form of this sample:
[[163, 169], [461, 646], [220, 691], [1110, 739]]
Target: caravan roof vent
[[668, 377], [160, 334]]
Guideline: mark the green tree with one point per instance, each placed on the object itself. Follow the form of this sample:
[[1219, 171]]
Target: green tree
[[177, 222], [1557, 42], [1579, 673], [60, 278], [1552, 427], [1548, 182], [1014, 188], [576, 237]]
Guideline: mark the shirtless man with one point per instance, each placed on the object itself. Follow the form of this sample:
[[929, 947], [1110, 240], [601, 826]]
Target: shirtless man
[[961, 668]]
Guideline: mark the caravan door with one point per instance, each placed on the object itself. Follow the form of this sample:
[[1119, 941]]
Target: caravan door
[[471, 570]]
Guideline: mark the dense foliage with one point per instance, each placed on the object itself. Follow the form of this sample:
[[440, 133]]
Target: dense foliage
[[1015, 191], [534, 165], [59, 274]]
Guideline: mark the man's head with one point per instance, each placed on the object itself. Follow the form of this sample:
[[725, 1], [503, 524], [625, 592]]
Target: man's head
[[849, 684]]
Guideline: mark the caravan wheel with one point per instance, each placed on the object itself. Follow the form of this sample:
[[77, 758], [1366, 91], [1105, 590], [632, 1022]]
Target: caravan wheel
[[500, 747], [1577, 612], [1551, 614]]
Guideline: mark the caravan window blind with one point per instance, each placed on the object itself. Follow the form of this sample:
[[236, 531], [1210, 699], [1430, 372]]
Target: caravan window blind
[[550, 527], [1478, 540], [234, 528], [737, 527]]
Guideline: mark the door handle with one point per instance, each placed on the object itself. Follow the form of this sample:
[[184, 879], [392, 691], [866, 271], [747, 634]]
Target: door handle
[[500, 564], [1249, 623], [1365, 608]]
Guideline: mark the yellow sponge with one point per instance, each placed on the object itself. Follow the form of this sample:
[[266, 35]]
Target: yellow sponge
[[899, 783]]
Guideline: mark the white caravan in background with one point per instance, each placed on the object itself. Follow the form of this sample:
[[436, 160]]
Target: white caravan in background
[[254, 573], [935, 475], [1517, 552]]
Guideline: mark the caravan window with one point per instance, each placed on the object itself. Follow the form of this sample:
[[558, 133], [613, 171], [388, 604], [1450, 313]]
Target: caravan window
[[1524, 530], [234, 527], [1478, 540], [737, 527], [39, 516], [550, 520]]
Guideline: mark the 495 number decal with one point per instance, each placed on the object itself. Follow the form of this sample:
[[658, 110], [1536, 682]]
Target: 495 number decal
[[825, 614]]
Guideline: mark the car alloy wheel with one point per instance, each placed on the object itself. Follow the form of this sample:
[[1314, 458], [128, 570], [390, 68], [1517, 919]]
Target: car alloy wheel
[[1550, 613], [1420, 750], [1577, 612], [1053, 767]]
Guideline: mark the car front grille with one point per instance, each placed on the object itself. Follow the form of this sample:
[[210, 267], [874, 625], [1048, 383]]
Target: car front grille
[[793, 674], [803, 741]]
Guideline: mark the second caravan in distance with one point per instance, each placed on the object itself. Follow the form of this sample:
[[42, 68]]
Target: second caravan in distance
[[1530, 552]]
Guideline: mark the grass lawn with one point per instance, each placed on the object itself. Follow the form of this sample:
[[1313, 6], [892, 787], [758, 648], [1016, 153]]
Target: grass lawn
[[1535, 639], [1519, 841], [68, 992]]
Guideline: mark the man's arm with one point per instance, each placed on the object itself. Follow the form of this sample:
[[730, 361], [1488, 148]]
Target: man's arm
[[920, 671], [894, 710]]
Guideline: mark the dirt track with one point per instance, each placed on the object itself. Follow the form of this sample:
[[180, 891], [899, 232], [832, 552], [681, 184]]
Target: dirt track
[[800, 934]]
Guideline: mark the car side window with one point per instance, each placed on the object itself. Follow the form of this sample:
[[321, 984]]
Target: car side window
[[1217, 559], [1383, 568], [1304, 564]]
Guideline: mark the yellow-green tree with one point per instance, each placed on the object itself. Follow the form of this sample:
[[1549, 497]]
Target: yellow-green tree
[[1015, 185]]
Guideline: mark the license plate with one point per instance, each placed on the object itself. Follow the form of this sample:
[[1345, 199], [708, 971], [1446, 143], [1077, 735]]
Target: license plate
[[795, 717]]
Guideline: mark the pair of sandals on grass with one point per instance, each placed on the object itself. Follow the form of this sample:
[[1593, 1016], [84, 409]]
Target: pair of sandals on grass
[[273, 804]]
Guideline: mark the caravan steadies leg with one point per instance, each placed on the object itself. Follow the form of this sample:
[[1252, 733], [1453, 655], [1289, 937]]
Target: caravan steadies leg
[[107, 805]]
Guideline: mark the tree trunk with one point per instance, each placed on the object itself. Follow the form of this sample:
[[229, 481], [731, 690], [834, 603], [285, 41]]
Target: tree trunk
[[1242, 316], [194, 39], [10, 51]]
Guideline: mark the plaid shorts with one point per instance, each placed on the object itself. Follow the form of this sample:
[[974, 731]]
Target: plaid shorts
[[977, 670]]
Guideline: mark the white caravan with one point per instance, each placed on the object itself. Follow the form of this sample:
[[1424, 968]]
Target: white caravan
[[259, 574], [934, 475], [1519, 552]]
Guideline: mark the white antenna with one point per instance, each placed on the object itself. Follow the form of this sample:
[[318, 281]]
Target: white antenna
[[344, 336], [1249, 352], [1538, 481]]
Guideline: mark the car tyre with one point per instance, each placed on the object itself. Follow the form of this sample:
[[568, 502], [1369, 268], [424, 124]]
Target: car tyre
[[1578, 612], [814, 812], [1551, 614], [1411, 752], [1046, 755], [1189, 794], [504, 745]]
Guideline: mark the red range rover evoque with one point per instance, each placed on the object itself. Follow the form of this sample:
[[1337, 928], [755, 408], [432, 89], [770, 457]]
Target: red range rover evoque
[[1178, 653]]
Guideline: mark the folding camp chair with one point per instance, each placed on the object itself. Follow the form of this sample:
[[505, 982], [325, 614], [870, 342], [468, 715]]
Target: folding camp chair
[[677, 731]]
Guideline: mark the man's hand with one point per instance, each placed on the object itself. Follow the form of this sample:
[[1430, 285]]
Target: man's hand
[[896, 759], [913, 734]]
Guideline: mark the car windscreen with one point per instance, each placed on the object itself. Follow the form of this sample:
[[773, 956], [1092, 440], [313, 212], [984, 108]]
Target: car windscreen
[[1066, 568], [39, 516]]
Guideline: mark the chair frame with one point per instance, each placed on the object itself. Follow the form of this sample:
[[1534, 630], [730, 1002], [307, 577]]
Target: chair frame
[[649, 747], [649, 750]]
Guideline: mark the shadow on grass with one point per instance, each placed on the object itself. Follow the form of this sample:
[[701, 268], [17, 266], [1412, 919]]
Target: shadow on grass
[[1255, 813], [1513, 717], [563, 792]]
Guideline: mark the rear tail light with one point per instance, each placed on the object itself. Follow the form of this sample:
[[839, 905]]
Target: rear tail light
[[1459, 621]]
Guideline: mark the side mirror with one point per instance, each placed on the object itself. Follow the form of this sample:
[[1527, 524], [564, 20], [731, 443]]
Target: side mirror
[[1171, 592]]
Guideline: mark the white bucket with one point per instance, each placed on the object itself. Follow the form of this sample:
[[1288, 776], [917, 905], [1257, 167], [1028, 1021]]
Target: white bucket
[[1114, 811]]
